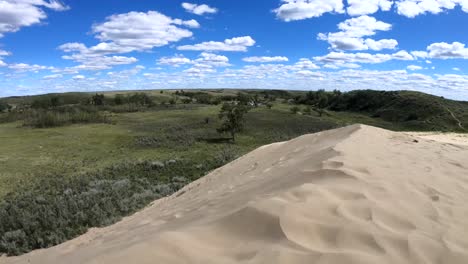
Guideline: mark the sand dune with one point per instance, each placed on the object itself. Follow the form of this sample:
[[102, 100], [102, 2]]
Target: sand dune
[[353, 195]]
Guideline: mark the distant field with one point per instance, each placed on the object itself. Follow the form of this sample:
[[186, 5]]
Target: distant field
[[28, 153]]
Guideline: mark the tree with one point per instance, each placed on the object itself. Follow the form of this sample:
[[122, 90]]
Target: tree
[[233, 118], [97, 99], [119, 99], [54, 101], [295, 109], [4, 107]]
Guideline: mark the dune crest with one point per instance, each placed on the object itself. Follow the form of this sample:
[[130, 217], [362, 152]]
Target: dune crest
[[357, 194]]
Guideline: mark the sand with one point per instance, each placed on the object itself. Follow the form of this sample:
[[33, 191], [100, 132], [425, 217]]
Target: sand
[[353, 195], [453, 138]]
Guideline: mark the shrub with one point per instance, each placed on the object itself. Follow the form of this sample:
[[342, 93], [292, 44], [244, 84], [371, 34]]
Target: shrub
[[295, 109], [53, 118], [59, 208], [4, 107], [233, 118]]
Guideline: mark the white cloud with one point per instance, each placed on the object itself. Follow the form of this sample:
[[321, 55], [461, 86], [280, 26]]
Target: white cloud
[[266, 59], [52, 76], [413, 8], [234, 44], [176, 60], [302, 9], [343, 58], [124, 33], [443, 50], [138, 31], [94, 62], [4, 53], [304, 64], [212, 60], [15, 14], [414, 68], [360, 7], [78, 77], [353, 31], [456, 69], [420, 54], [402, 55], [307, 73], [199, 9], [381, 44], [204, 60], [23, 67]]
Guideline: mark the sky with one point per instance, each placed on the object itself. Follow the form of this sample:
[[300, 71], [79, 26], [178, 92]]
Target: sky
[[50, 46]]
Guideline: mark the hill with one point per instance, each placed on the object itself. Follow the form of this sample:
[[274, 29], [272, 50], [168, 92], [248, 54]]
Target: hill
[[357, 194], [397, 110]]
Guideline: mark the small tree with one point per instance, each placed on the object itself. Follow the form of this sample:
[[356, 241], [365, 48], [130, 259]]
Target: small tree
[[4, 107], [233, 118], [319, 110], [97, 99], [269, 105], [54, 101], [295, 109]]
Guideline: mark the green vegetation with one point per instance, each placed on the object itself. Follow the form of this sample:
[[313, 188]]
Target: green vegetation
[[74, 161], [233, 118], [407, 110], [4, 107]]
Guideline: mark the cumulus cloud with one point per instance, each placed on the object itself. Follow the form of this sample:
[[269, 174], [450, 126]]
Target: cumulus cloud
[[341, 57], [413, 8], [414, 68], [265, 59], [292, 10], [213, 60], [175, 61], [204, 61], [15, 14], [96, 62], [139, 31], [234, 44], [78, 77], [4, 53], [199, 9], [352, 33], [443, 50], [23, 67], [124, 33], [52, 76], [360, 7], [304, 64]]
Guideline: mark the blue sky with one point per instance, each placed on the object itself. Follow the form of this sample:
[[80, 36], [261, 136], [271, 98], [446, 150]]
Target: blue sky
[[70, 45]]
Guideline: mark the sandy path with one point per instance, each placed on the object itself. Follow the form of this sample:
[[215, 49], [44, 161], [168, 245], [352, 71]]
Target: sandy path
[[352, 195]]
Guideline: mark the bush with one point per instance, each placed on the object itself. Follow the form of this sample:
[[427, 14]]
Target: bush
[[4, 107], [54, 118], [172, 137], [295, 109], [57, 208]]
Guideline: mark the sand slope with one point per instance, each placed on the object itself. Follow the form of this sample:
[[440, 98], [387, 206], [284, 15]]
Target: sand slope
[[352, 195]]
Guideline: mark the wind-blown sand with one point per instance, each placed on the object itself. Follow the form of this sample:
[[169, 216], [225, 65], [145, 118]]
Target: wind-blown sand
[[453, 138], [353, 195]]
